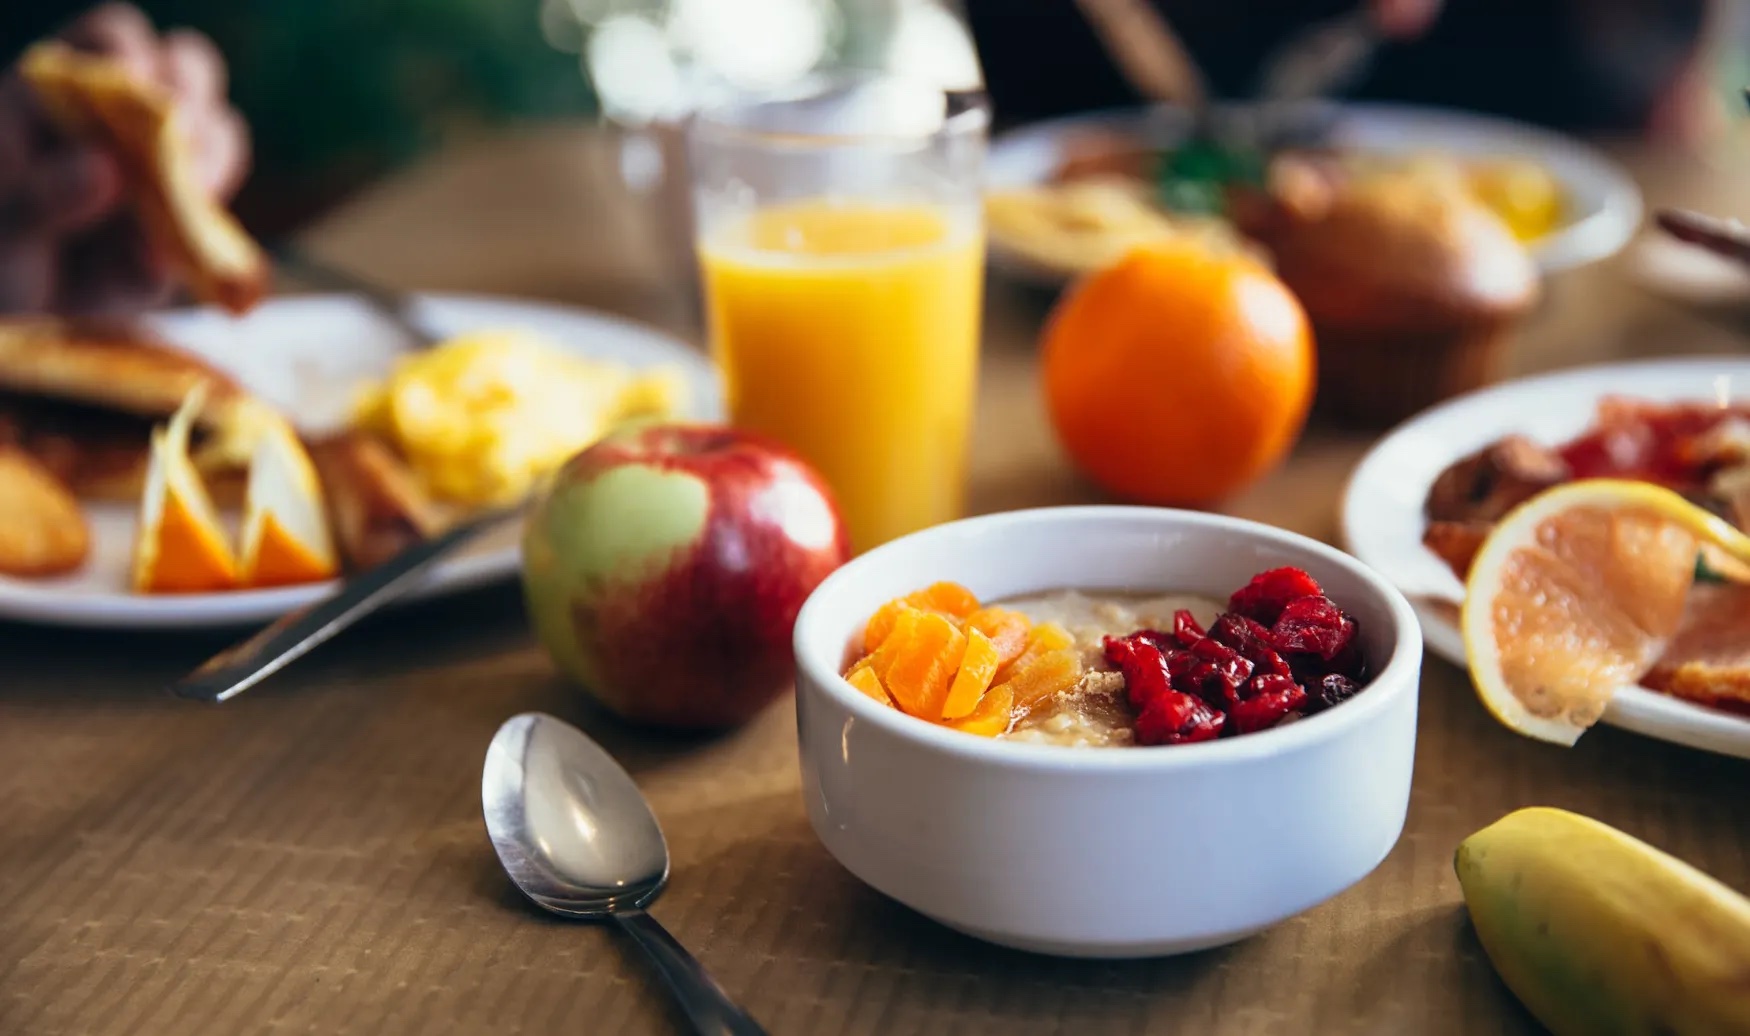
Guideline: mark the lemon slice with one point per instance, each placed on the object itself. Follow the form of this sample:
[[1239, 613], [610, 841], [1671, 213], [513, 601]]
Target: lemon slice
[[1576, 593], [180, 547], [285, 526]]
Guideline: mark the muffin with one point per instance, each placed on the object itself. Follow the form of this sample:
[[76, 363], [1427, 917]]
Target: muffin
[[1410, 283]]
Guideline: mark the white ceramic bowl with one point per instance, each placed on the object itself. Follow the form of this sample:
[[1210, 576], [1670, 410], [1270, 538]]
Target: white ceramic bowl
[[1113, 852]]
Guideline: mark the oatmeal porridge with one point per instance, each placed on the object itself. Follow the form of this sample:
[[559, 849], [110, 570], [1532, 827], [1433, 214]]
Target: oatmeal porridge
[[1101, 669], [1095, 711]]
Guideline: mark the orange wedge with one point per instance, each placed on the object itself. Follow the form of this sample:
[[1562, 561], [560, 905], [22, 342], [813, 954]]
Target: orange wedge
[[1576, 593], [285, 525], [180, 547]]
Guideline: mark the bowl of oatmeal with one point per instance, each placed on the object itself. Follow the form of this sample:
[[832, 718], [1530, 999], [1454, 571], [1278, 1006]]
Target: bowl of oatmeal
[[1107, 731]]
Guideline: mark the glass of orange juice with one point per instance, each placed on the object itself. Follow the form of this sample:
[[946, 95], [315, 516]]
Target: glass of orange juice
[[841, 245]]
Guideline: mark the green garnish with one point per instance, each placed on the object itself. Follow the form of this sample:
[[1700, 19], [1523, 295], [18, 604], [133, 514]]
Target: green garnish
[[1194, 179]]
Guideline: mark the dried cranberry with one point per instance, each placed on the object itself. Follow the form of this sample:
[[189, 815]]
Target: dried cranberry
[[1268, 593], [1268, 683], [1334, 689], [1159, 638], [1272, 698], [1185, 628], [1250, 639], [1315, 626], [1207, 682], [1176, 719], [1282, 648], [1144, 668], [1228, 671], [1350, 662]]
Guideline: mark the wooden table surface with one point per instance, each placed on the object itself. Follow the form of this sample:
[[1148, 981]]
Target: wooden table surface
[[311, 858]]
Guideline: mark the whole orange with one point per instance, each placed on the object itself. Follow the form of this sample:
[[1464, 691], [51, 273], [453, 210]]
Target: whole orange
[[1180, 374]]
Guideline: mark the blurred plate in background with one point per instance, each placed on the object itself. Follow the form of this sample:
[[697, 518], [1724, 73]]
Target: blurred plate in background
[[1603, 203], [1382, 519], [309, 356]]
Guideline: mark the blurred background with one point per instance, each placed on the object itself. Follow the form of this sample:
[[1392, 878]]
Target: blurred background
[[339, 92]]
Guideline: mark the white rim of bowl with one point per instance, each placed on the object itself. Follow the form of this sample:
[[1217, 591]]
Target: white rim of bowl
[[812, 657]]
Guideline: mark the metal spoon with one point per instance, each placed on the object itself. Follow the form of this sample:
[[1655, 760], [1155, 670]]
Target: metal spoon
[[576, 836]]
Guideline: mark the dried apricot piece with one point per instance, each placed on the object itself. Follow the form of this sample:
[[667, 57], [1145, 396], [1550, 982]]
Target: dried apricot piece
[[903, 628], [947, 598], [977, 667], [1049, 636], [1006, 629], [881, 624], [950, 599], [1042, 640], [924, 663], [864, 679], [992, 716], [1052, 672]]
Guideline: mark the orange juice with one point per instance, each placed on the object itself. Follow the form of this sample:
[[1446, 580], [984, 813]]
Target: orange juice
[[850, 333]]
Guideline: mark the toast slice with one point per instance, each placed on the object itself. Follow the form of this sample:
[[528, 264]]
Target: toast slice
[[42, 530], [82, 397], [95, 98], [376, 505]]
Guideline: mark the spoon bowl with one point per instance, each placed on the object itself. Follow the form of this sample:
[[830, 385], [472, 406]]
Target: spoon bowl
[[570, 826], [576, 836]]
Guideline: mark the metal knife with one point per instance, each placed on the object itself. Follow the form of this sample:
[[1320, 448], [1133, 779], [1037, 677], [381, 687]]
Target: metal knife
[[398, 307], [1321, 60], [1318, 62], [1727, 238], [243, 665]]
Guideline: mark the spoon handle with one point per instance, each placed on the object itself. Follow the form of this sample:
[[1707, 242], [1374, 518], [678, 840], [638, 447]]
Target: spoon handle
[[706, 1005]]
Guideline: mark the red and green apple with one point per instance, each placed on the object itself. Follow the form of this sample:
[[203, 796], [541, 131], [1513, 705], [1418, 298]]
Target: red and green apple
[[664, 567]]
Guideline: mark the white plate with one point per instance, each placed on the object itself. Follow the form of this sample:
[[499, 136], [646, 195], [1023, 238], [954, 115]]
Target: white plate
[[1382, 519], [309, 355], [1604, 203]]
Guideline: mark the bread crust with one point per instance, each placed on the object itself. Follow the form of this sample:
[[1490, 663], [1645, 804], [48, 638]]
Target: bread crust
[[97, 99], [42, 530], [376, 506]]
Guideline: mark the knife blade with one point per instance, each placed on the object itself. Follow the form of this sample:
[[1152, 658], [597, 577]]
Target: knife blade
[[1323, 59], [398, 307], [1726, 238], [1315, 64], [245, 664]]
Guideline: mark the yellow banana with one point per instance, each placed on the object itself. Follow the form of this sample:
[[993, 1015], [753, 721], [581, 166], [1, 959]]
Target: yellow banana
[[1597, 932]]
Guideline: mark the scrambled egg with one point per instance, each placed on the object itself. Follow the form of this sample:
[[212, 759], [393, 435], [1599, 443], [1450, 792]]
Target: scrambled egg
[[1089, 224], [1526, 196], [481, 418]]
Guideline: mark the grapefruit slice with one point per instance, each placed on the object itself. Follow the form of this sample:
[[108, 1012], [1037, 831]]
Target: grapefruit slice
[[180, 546], [1576, 593], [285, 525]]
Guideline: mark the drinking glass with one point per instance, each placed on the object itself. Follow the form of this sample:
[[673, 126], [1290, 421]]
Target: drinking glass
[[841, 246]]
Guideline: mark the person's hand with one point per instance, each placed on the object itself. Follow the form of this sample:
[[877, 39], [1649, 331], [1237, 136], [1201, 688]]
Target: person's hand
[[1404, 19], [68, 242]]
